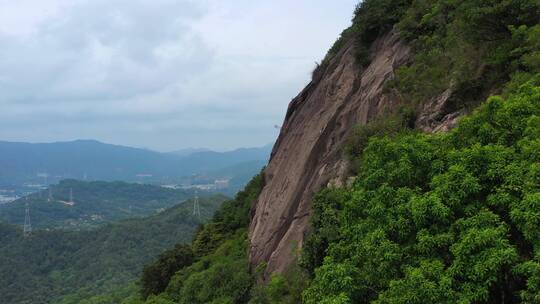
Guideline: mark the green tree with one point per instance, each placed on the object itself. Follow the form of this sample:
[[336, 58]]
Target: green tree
[[440, 218], [156, 276]]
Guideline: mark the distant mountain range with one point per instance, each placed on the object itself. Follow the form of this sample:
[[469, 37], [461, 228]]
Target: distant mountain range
[[93, 160], [189, 151]]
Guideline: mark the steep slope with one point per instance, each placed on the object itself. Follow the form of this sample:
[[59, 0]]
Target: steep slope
[[440, 59], [308, 152], [436, 218]]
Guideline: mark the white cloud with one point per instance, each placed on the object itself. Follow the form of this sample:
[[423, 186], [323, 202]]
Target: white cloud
[[163, 74]]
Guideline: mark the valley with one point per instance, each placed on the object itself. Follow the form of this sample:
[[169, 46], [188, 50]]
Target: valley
[[73, 204], [66, 266]]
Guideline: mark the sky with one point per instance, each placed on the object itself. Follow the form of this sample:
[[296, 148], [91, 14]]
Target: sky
[[159, 74]]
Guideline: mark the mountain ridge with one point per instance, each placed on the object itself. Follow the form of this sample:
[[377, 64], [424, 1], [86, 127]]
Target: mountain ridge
[[90, 159]]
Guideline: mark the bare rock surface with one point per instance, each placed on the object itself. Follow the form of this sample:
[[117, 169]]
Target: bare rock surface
[[308, 153]]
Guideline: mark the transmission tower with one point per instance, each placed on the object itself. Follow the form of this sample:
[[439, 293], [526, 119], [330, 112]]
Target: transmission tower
[[27, 228], [196, 207], [71, 195]]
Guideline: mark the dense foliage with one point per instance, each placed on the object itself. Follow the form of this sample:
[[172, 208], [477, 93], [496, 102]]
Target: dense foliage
[[469, 46], [389, 124], [95, 203], [372, 19], [472, 47], [68, 267], [285, 288], [445, 218], [156, 275], [220, 270], [220, 277]]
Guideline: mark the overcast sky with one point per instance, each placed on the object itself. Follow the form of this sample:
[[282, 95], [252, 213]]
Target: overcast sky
[[158, 74]]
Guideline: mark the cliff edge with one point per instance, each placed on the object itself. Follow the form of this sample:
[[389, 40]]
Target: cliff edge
[[308, 152]]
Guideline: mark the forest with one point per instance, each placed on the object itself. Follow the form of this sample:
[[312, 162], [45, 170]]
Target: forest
[[444, 218], [94, 203], [66, 266]]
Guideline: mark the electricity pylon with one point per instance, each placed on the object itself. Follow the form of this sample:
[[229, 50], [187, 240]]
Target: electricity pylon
[[196, 207], [27, 228], [71, 195]]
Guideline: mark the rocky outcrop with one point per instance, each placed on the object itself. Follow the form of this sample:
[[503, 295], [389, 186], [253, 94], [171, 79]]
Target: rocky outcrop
[[435, 115], [308, 153]]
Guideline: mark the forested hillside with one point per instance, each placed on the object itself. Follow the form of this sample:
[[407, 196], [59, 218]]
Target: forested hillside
[[445, 218], [71, 266], [441, 218], [214, 267], [94, 203], [424, 217]]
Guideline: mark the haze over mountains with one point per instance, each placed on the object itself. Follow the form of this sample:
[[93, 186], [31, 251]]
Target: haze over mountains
[[93, 160], [189, 151]]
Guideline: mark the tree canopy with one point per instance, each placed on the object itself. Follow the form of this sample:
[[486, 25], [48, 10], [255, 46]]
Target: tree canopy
[[438, 218]]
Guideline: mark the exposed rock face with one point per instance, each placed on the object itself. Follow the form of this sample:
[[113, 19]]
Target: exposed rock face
[[435, 116], [308, 154]]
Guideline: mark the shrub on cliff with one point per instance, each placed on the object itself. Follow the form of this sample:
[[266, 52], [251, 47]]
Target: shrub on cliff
[[470, 46], [438, 218]]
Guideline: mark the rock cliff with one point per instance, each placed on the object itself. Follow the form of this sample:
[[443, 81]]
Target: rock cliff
[[308, 153]]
